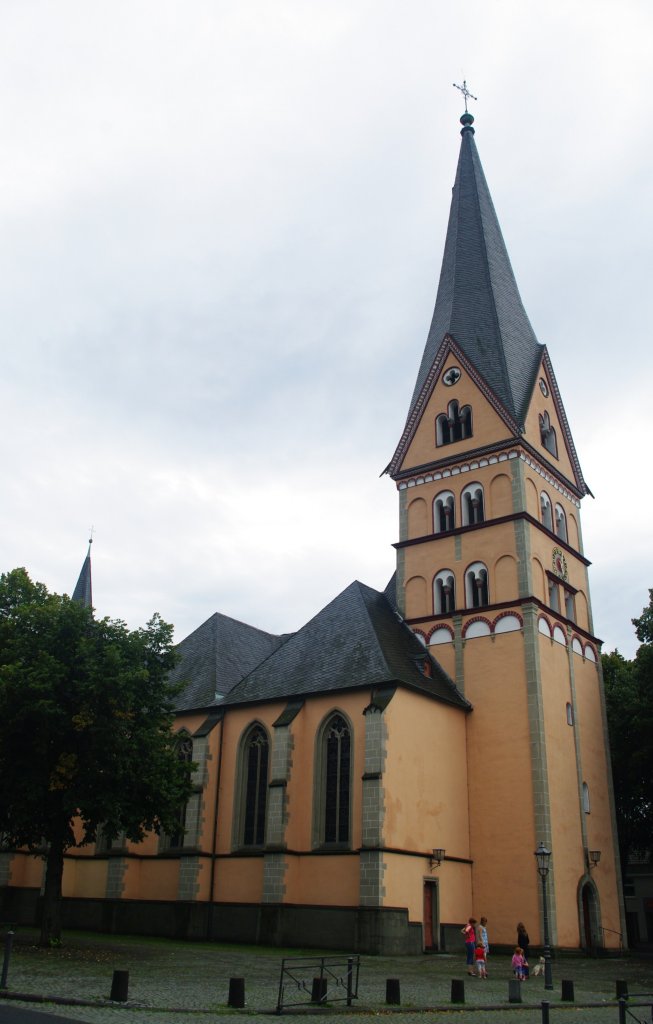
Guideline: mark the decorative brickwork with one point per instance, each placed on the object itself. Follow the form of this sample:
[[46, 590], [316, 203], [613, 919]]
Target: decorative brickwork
[[274, 875], [372, 865], [189, 869]]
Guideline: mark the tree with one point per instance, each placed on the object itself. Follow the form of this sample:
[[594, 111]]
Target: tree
[[629, 704], [85, 730]]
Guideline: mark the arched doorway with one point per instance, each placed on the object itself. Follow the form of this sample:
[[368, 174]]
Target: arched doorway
[[590, 918]]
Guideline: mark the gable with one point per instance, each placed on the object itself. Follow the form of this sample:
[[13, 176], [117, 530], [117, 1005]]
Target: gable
[[453, 389], [546, 411]]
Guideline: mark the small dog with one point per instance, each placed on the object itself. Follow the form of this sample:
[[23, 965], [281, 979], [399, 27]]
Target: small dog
[[539, 968]]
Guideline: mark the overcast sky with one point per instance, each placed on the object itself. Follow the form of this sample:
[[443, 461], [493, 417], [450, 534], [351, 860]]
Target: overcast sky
[[221, 232]]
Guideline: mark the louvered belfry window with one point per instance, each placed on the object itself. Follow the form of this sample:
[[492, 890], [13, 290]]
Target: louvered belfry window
[[338, 776], [256, 787]]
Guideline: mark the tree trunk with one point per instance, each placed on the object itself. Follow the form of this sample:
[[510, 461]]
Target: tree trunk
[[51, 916]]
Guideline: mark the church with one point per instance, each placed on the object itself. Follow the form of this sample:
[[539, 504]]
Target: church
[[374, 779]]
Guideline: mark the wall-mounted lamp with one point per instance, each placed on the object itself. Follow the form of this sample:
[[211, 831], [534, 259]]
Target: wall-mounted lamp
[[593, 857], [436, 858]]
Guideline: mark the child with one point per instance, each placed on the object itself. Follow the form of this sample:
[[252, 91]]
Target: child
[[479, 956], [519, 964]]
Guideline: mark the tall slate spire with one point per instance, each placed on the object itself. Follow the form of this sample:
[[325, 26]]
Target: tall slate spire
[[83, 591], [478, 302]]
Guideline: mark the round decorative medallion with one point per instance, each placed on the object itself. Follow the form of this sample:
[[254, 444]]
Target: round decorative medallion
[[452, 376], [559, 563], [544, 387]]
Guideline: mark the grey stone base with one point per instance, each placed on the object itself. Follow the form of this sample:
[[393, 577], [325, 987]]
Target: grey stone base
[[359, 930]]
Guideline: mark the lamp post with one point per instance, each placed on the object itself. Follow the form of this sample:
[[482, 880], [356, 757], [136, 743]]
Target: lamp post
[[543, 856]]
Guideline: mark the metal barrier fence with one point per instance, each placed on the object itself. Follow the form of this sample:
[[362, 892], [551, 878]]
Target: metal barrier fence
[[318, 979], [628, 1005]]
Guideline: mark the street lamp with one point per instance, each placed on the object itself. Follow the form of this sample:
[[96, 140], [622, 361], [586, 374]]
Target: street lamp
[[543, 856]]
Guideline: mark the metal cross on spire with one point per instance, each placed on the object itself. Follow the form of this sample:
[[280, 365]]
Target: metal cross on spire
[[466, 93]]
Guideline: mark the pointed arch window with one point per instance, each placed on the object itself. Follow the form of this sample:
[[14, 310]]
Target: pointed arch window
[[560, 522], [253, 783], [444, 512], [334, 773], [454, 425], [546, 511], [444, 592], [476, 586], [184, 743], [548, 435], [473, 505]]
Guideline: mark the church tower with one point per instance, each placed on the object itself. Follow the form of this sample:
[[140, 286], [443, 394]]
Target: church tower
[[492, 576]]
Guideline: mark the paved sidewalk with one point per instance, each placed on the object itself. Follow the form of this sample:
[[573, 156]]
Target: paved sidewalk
[[178, 982]]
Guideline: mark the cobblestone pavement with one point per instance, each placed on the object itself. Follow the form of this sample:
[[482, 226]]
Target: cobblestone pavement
[[177, 983]]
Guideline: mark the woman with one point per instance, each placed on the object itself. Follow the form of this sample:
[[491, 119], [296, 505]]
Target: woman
[[523, 939], [469, 933]]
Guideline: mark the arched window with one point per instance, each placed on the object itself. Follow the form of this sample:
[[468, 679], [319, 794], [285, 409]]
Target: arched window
[[184, 743], [586, 798], [473, 505], [444, 592], [560, 522], [548, 435], [454, 425], [444, 512], [554, 595], [546, 512], [255, 756], [476, 588], [334, 766]]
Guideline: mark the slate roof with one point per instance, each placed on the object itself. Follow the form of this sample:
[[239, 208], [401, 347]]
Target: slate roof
[[83, 591], [478, 302], [357, 640], [216, 656]]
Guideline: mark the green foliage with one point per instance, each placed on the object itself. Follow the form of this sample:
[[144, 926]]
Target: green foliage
[[85, 723], [629, 704]]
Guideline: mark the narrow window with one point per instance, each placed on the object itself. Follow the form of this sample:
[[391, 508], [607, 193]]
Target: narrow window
[[554, 596], [547, 515], [560, 522], [336, 761], [570, 606], [454, 425], [586, 798], [473, 507], [444, 592], [444, 514], [185, 754], [255, 763], [476, 586], [570, 714], [548, 435]]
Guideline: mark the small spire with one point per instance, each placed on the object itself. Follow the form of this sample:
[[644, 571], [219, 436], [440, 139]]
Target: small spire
[[83, 591]]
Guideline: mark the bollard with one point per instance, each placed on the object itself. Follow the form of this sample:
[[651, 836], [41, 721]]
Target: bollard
[[622, 1011], [622, 989], [392, 992], [514, 991], [119, 986], [319, 990], [545, 1012], [457, 990], [9, 938], [567, 994], [236, 993]]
